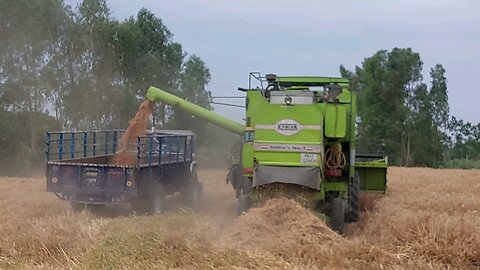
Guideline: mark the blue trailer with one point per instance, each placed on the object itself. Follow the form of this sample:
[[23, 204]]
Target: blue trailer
[[80, 169]]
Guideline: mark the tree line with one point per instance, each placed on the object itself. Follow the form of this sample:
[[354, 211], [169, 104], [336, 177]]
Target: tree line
[[411, 121], [64, 68]]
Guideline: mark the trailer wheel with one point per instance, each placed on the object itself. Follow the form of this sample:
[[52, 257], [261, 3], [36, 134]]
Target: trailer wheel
[[192, 191], [244, 204], [156, 201], [150, 204], [191, 194], [353, 199], [78, 207], [96, 208], [337, 219]]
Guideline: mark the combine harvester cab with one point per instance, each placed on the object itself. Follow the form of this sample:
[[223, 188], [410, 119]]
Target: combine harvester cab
[[81, 168], [299, 131]]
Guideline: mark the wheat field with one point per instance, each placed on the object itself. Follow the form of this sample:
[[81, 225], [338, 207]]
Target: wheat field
[[429, 219]]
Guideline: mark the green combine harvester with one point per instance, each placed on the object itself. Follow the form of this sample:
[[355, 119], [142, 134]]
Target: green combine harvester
[[299, 131]]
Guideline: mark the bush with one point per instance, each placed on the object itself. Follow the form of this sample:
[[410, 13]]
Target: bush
[[462, 164]]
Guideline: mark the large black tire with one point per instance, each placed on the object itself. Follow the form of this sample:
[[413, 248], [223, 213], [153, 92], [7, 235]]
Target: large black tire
[[354, 199], [78, 207], [139, 206], [94, 208], [244, 204], [337, 218], [191, 194], [192, 191], [151, 204]]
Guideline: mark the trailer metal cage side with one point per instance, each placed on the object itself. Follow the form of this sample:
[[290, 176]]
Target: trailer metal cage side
[[81, 167]]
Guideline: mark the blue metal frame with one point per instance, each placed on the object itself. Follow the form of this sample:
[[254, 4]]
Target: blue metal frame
[[163, 157], [150, 148], [57, 143], [164, 149]]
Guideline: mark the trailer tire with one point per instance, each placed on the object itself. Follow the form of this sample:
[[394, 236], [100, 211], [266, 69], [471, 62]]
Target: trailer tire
[[337, 219], [244, 204], [191, 194], [192, 191], [354, 199], [78, 207], [156, 202], [96, 208], [138, 206], [151, 204]]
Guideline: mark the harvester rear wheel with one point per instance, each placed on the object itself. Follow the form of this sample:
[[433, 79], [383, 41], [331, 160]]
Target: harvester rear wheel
[[337, 218], [244, 204], [353, 199]]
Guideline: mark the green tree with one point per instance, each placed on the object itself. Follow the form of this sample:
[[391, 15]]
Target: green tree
[[77, 68], [439, 96], [29, 33], [194, 79], [465, 139], [387, 83], [97, 83], [148, 56], [427, 141]]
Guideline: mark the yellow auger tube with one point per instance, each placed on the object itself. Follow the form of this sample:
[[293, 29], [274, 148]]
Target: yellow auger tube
[[155, 95]]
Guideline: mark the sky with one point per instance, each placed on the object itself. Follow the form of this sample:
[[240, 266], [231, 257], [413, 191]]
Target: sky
[[311, 37]]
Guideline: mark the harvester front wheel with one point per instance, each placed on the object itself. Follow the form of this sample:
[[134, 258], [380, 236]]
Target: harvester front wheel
[[353, 199], [337, 219]]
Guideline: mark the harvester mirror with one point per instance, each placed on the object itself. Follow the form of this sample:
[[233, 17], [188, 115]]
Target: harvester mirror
[[331, 92]]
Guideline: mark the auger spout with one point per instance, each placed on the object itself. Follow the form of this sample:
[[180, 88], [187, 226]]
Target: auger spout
[[155, 95]]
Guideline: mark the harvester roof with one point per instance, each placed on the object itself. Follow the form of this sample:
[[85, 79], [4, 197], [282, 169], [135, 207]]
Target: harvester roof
[[310, 81]]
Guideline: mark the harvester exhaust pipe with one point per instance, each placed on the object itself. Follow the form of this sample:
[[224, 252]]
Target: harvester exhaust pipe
[[155, 95]]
